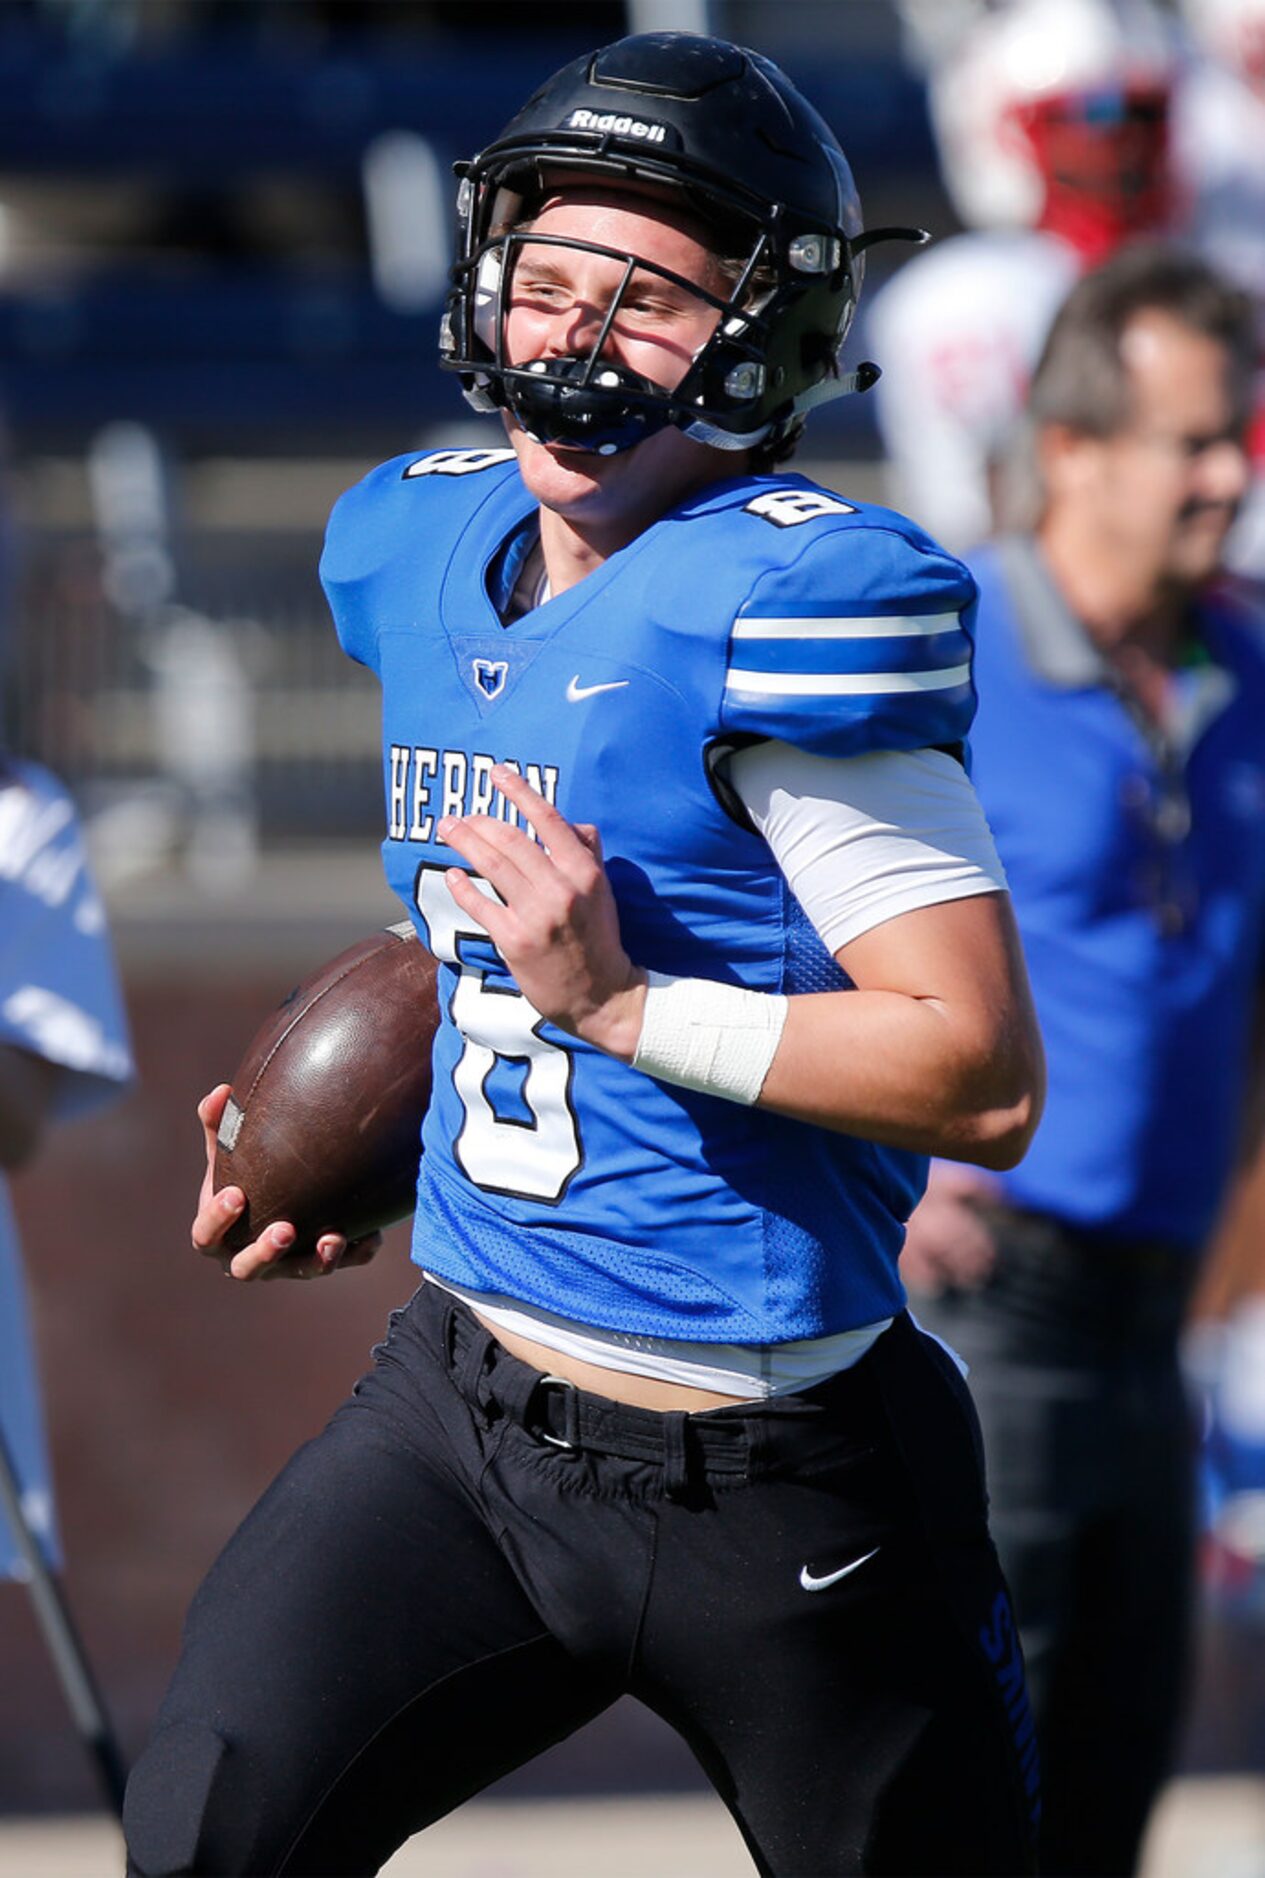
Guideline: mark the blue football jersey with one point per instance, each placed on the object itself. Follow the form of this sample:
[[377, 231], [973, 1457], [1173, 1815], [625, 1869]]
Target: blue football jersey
[[762, 607]]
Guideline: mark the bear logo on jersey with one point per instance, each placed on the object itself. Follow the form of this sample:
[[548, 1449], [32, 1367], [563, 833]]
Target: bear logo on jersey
[[490, 675]]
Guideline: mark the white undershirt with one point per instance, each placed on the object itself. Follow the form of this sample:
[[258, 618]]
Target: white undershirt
[[860, 840], [866, 838]]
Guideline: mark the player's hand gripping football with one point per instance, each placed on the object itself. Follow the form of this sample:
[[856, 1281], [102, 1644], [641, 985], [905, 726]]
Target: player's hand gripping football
[[269, 1256], [557, 927]]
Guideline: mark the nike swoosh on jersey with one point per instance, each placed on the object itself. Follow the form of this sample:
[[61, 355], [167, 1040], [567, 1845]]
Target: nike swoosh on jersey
[[576, 691], [832, 1578]]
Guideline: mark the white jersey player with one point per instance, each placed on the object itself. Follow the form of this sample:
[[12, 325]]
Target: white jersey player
[[1052, 125]]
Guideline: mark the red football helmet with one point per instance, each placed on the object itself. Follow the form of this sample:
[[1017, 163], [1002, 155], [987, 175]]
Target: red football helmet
[[1054, 114]]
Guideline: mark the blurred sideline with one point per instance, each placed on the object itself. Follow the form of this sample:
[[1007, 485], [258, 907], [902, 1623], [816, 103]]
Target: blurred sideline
[[1202, 1829]]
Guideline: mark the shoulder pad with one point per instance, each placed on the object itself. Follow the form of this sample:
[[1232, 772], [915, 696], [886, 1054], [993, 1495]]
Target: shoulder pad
[[374, 520]]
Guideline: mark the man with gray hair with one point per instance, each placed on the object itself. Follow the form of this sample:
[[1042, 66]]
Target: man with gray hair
[[1120, 754]]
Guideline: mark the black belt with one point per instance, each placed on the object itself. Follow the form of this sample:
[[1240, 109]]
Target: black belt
[[570, 1418], [573, 1421]]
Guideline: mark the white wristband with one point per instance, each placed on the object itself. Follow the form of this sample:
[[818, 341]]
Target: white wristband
[[719, 1039]]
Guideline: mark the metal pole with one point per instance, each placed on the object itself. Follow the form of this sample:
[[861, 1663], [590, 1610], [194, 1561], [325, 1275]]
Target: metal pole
[[63, 1642]]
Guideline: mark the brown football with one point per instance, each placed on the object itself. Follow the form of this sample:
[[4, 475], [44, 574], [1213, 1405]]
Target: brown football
[[322, 1126]]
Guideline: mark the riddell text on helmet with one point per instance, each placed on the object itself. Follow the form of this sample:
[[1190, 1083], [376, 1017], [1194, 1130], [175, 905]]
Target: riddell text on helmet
[[621, 125]]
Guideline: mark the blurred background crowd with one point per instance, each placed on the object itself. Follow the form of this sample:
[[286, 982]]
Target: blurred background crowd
[[224, 238]]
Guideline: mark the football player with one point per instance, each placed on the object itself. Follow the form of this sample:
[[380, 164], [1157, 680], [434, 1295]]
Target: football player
[[1052, 121], [675, 791]]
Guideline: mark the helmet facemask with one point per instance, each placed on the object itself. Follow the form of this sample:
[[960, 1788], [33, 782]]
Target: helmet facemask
[[589, 401]]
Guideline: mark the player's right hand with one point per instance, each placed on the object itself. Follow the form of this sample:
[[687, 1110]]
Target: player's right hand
[[949, 1245], [269, 1256]]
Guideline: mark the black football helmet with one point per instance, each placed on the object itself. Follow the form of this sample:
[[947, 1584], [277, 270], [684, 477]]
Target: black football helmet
[[754, 162]]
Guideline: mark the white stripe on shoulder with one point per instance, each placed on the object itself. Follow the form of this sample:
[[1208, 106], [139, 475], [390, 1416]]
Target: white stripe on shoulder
[[844, 684], [900, 626]]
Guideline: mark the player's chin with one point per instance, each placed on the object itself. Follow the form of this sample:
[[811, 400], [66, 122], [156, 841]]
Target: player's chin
[[556, 473]]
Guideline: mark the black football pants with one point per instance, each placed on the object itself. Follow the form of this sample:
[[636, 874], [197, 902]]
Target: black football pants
[[472, 1561]]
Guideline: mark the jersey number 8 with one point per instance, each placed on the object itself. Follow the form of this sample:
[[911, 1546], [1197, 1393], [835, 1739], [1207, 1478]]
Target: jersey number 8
[[536, 1159]]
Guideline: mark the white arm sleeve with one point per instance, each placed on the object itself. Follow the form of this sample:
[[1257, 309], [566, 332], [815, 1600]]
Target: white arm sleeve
[[862, 839]]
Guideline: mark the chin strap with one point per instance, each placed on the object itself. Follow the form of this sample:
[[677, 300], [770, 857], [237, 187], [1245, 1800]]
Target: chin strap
[[588, 404], [865, 375], [554, 400]]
